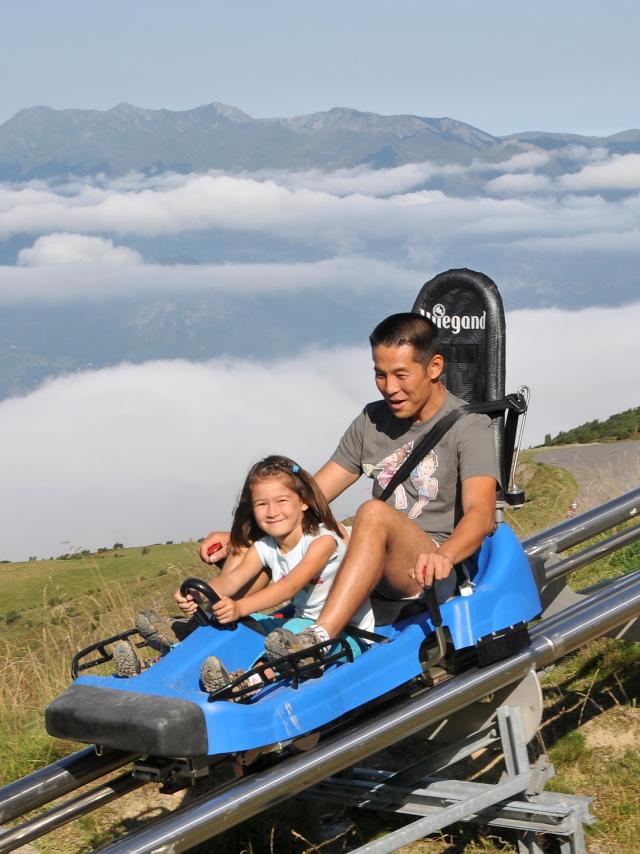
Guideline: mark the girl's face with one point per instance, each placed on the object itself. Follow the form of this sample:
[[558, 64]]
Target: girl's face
[[277, 509]]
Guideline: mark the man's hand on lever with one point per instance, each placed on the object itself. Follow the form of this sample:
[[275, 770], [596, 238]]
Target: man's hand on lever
[[214, 547], [478, 521], [431, 567]]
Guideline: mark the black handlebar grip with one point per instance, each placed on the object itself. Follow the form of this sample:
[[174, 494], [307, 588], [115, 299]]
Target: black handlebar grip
[[209, 593], [433, 607], [198, 586]]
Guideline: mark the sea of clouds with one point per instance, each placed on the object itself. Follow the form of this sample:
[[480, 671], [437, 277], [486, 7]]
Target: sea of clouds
[[145, 453], [411, 217]]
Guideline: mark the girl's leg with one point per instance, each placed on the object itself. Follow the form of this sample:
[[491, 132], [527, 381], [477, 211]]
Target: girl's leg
[[293, 636], [214, 676]]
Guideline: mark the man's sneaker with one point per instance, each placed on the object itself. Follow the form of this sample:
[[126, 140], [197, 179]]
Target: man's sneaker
[[281, 642], [126, 661], [156, 631]]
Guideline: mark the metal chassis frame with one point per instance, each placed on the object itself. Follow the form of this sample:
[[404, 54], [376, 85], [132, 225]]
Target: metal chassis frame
[[517, 802]]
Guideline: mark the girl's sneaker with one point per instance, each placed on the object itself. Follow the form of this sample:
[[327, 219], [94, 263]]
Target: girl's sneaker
[[156, 631], [126, 661], [281, 642], [214, 676]]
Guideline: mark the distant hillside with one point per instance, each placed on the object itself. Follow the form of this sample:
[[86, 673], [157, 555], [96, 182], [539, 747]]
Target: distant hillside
[[624, 425], [41, 142]]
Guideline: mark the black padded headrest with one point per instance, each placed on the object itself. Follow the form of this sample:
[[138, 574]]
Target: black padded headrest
[[467, 309]]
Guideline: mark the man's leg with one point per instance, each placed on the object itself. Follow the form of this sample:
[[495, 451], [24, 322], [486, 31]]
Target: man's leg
[[382, 552]]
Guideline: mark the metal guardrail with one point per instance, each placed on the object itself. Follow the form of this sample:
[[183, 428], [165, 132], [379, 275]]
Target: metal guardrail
[[58, 779], [574, 531], [543, 549]]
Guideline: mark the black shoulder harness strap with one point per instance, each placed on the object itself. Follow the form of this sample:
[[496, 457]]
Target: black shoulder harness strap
[[493, 408]]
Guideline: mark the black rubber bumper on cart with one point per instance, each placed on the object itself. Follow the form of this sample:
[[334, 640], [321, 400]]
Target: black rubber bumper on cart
[[162, 726]]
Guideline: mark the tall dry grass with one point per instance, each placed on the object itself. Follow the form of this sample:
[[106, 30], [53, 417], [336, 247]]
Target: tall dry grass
[[36, 668]]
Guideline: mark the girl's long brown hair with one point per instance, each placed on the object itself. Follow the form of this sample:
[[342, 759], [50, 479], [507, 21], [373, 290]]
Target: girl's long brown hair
[[244, 530]]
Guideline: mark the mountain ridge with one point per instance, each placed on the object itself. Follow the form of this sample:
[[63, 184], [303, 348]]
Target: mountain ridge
[[43, 142]]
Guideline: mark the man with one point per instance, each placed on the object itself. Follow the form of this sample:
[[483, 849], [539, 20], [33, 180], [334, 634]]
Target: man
[[436, 518]]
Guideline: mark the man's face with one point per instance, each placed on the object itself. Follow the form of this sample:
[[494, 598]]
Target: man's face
[[407, 385]]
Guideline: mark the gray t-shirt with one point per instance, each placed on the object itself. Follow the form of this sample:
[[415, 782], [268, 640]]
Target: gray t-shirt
[[377, 443]]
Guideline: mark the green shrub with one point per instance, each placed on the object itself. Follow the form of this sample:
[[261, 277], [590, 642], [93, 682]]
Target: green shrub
[[569, 748], [623, 425]]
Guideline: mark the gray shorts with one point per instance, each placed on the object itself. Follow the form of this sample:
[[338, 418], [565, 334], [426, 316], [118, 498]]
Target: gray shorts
[[387, 610]]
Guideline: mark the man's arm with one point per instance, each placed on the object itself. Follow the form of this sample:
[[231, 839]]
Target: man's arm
[[478, 520], [333, 480]]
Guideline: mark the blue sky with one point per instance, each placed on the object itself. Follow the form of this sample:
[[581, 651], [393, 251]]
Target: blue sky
[[502, 65]]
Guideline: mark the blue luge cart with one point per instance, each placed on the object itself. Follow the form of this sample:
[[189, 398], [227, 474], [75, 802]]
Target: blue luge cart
[[164, 711]]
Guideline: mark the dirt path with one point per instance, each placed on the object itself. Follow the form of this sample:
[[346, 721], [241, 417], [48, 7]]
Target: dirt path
[[602, 471]]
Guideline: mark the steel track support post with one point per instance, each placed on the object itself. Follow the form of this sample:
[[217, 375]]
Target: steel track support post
[[446, 816], [527, 842], [516, 781], [514, 748], [442, 801]]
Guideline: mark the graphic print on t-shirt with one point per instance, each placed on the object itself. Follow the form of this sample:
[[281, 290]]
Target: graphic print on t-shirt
[[425, 483], [386, 469]]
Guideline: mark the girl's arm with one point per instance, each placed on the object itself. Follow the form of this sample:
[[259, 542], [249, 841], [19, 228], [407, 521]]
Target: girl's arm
[[228, 583], [280, 591]]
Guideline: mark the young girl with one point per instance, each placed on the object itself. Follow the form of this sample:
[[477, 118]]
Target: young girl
[[283, 520]]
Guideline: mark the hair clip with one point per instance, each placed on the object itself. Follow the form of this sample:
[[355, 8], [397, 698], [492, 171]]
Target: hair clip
[[295, 468]]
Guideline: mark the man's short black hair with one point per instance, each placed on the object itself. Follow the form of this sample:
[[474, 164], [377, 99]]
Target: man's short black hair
[[408, 328]]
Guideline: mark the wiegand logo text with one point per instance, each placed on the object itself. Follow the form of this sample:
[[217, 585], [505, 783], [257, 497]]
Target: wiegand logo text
[[454, 322]]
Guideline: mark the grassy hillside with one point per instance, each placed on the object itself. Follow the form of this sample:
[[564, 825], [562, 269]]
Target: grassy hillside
[[623, 425], [50, 609], [46, 593]]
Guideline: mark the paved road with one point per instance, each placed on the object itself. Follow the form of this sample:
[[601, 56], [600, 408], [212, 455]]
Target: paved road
[[602, 471]]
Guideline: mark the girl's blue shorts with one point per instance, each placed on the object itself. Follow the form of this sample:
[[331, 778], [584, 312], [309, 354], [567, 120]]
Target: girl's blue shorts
[[298, 624]]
